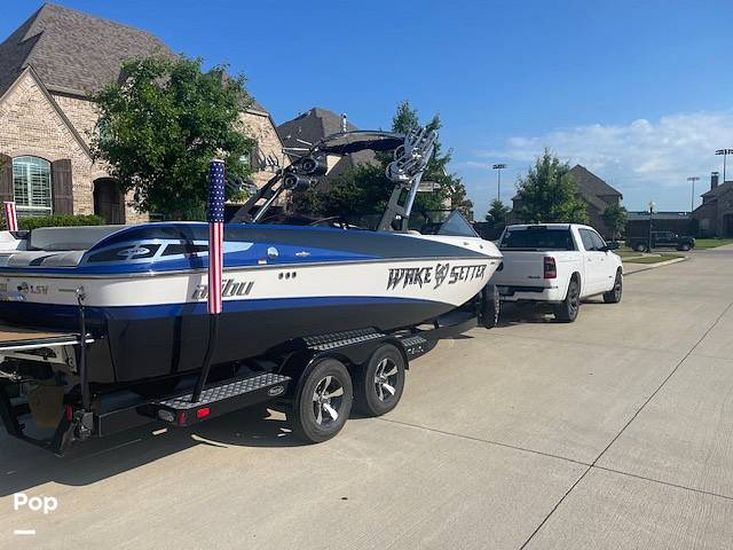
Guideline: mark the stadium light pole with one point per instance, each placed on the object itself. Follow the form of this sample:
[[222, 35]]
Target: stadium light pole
[[651, 215], [725, 153], [498, 167], [692, 179]]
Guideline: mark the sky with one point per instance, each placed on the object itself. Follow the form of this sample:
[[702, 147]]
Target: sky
[[641, 93]]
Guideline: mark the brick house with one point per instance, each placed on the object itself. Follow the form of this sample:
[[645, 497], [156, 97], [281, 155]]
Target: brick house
[[715, 214], [315, 124], [48, 67], [595, 193]]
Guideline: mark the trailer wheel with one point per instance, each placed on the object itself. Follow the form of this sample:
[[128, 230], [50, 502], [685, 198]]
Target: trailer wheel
[[379, 383], [322, 402], [490, 306]]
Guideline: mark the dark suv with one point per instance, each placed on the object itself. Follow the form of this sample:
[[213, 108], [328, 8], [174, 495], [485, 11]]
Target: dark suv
[[662, 239]]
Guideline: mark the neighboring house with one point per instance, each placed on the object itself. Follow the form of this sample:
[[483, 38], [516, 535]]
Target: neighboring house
[[596, 194], [715, 214], [311, 127], [48, 68]]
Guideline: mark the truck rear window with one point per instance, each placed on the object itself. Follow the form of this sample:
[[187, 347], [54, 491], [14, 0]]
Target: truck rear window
[[537, 238]]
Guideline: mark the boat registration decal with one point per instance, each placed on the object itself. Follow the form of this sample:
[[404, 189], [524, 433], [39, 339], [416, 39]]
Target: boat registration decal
[[435, 275]]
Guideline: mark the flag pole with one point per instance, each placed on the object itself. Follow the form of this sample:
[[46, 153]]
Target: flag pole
[[11, 216], [214, 297]]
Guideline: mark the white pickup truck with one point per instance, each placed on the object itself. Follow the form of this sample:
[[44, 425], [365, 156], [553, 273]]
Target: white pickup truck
[[559, 264]]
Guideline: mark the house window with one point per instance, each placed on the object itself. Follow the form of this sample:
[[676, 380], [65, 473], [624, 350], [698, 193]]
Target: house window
[[32, 185]]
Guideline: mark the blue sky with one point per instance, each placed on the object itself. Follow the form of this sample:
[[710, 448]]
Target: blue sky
[[641, 93]]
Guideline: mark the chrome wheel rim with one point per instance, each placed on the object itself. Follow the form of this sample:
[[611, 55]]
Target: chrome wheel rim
[[327, 398], [385, 379]]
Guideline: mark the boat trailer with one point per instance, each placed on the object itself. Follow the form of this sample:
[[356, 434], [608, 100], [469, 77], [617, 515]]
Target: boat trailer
[[364, 366]]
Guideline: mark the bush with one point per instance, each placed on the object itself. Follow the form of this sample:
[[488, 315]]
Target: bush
[[58, 220]]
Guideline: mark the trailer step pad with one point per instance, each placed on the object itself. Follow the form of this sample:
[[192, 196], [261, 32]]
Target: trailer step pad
[[335, 340], [221, 398], [415, 346]]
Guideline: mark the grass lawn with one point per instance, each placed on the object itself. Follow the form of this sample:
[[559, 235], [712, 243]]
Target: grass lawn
[[655, 259], [625, 252], [702, 244]]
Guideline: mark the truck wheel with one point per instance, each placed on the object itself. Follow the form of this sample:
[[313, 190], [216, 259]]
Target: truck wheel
[[322, 402], [684, 247], [613, 296], [567, 311], [490, 306], [379, 384], [639, 247]]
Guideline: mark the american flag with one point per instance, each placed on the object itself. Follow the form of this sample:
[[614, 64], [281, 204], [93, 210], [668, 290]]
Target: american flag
[[10, 216], [216, 234]]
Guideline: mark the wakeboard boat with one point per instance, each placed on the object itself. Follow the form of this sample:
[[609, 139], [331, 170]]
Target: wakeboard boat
[[143, 288]]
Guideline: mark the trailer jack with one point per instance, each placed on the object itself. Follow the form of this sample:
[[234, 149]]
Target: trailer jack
[[75, 425]]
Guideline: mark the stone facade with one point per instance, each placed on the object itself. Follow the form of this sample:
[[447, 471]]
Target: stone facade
[[32, 124], [59, 126], [269, 154], [715, 214]]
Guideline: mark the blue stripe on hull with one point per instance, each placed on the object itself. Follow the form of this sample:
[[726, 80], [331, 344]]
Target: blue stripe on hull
[[62, 315]]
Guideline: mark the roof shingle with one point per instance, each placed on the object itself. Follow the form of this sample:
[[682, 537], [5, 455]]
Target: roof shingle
[[71, 51]]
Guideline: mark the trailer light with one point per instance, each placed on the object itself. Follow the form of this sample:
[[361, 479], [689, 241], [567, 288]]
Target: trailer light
[[69, 413], [181, 418], [550, 269], [203, 412]]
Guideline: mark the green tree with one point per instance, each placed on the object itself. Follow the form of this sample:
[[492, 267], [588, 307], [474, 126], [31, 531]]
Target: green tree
[[497, 215], [160, 127], [548, 193], [452, 190], [615, 218], [365, 189]]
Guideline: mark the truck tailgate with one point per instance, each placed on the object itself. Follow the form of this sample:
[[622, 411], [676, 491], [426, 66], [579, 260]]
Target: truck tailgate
[[521, 268]]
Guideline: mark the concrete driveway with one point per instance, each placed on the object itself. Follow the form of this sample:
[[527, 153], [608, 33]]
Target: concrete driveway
[[613, 432]]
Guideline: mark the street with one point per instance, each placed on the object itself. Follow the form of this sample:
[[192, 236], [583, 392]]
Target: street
[[612, 432]]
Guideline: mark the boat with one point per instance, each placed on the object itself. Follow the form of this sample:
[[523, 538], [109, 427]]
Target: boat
[[141, 291]]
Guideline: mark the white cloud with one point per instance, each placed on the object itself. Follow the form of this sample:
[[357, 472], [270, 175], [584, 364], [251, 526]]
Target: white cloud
[[642, 156]]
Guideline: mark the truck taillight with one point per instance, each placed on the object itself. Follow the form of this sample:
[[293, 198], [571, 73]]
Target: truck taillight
[[550, 269]]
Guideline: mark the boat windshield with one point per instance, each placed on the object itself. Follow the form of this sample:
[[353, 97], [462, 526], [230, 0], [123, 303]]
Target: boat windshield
[[454, 224], [56, 239]]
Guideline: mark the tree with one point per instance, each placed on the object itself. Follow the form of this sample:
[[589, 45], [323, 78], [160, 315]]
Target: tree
[[548, 193], [159, 129], [615, 218], [365, 189], [451, 189], [497, 215]]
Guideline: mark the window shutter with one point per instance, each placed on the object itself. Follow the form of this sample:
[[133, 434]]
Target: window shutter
[[62, 193], [6, 178]]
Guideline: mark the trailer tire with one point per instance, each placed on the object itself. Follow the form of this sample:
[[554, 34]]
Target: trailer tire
[[322, 402], [490, 306], [378, 385]]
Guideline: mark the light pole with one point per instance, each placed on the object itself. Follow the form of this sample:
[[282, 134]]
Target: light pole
[[692, 179], [725, 153], [651, 213], [498, 167]]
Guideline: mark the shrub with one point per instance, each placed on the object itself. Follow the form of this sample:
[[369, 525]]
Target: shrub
[[58, 220]]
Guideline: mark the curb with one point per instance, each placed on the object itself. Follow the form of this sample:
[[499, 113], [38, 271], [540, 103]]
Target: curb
[[655, 266]]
